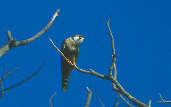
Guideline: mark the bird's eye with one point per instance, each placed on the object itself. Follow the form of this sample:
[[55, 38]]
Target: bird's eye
[[80, 37]]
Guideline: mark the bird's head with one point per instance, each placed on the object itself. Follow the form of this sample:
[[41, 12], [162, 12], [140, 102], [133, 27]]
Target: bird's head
[[78, 39]]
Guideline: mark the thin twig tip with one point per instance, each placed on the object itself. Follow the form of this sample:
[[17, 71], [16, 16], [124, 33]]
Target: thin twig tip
[[108, 20], [58, 10], [87, 88], [50, 39]]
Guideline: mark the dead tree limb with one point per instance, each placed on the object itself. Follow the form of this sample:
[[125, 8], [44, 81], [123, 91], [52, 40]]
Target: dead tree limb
[[2, 88], [23, 81], [113, 65], [6, 74], [51, 98], [163, 100], [99, 99], [120, 89], [89, 97], [126, 102], [117, 86], [116, 101], [15, 43]]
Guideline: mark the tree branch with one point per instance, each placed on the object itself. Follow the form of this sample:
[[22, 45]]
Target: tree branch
[[114, 54], [128, 104], [51, 98], [25, 80], [119, 88], [149, 103], [163, 100], [2, 88], [92, 72], [8, 73], [3, 78], [99, 99], [116, 101], [89, 97], [14, 43], [113, 65]]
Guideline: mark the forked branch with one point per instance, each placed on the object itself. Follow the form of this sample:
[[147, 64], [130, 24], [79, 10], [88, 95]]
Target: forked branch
[[117, 86], [21, 82], [89, 97], [51, 98], [162, 100], [6, 74], [14, 43]]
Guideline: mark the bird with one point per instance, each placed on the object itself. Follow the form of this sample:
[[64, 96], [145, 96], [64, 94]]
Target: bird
[[70, 48]]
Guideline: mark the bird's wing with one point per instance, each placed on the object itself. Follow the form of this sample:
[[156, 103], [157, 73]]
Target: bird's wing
[[66, 68], [76, 55]]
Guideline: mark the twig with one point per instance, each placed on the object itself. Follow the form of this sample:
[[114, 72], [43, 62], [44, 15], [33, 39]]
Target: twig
[[14, 43], [149, 103], [51, 98], [111, 36], [89, 97], [161, 97], [42, 31], [4, 78], [119, 88], [92, 72], [128, 104], [8, 73], [163, 100], [113, 65], [25, 80], [9, 35], [116, 101], [2, 88], [99, 99]]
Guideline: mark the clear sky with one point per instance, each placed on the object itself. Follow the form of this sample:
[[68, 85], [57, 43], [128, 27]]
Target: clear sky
[[142, 32]]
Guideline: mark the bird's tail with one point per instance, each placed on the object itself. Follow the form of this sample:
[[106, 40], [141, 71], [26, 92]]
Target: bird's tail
[[65, 80]]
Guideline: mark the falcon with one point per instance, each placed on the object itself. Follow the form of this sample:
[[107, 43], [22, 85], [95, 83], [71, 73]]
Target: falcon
[[70, 48]]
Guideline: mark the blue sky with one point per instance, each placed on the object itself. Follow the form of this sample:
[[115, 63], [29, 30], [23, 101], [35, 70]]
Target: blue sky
[[141, 30]]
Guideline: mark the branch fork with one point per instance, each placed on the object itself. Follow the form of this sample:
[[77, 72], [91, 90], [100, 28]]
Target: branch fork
[[14, 43], [113, 78]]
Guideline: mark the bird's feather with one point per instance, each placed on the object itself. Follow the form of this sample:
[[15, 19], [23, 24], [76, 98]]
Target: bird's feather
[[72, 55], [70, 50]]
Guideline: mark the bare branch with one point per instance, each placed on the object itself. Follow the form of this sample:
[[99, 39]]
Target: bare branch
[[128, 104], [25, 80], [51, 98], [163, 100], [75, 66], [99, 99], [8, 73], [119, 88], [92, 72], [111, 36], [14, 43], [161, 97], [3, 78], [2, 88], [115, 84], [89, 97], [42, 31], [116, 101], [9, 35], [149, 103], [113, 65]]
